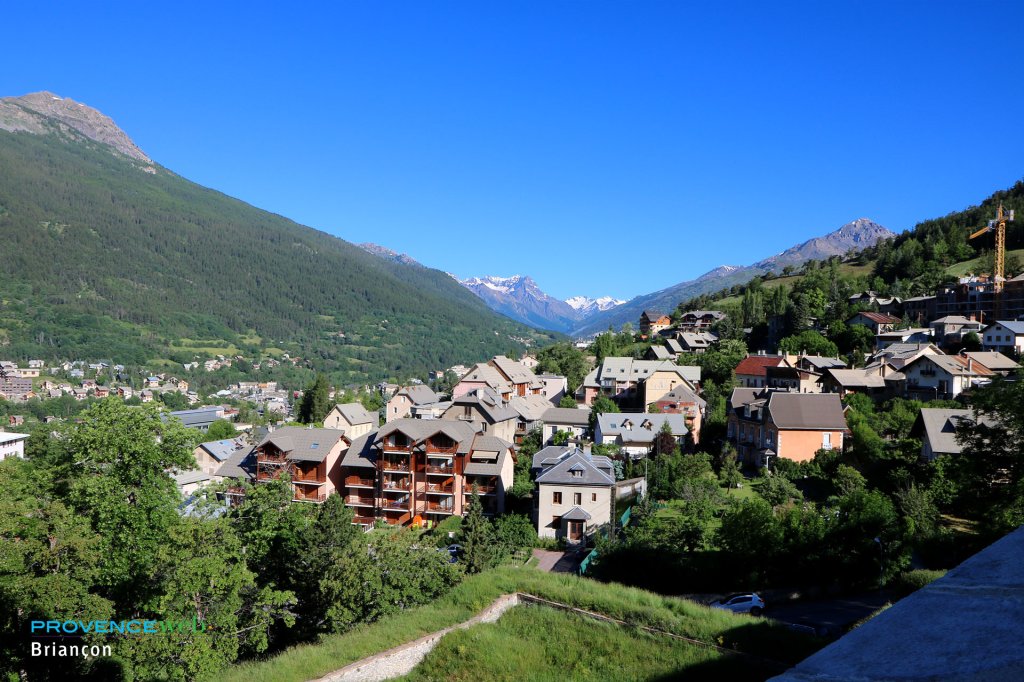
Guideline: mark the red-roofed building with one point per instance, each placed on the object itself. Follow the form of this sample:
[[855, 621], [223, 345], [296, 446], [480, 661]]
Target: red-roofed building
[[752, 372], [877, 322]]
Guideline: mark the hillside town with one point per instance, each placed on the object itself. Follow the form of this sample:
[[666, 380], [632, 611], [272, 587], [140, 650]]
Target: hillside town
[[417, 459]]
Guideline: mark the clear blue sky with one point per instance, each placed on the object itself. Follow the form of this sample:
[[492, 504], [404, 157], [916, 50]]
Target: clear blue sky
[[603, 148]]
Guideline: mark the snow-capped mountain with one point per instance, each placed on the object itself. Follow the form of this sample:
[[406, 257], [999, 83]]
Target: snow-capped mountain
[[586, 306], [520, 298]]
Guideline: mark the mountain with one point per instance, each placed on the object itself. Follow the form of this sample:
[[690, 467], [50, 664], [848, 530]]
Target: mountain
[[855, 235], [519, 298], [108, 255], [388, 254], [588, 306]]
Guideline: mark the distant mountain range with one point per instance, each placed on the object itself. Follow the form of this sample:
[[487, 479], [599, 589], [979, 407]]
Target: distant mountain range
[[519, 298], [855, 235]]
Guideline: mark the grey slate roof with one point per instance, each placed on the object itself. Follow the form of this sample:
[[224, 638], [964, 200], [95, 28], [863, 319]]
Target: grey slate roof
[[640, 427], [489, 403], [997, 362], [628, 369], [857, 378], [355, 413], [809, 411], [240, 464], [660, 353], [820, 362], [418, 430], [419, 395], [1015, 326], [938, 427], [515, 372], [305, 445], [361, 452], [576, 514], [566, 415], [593, 470], [530, 408], [479, 462], [482, 372], [681, 394], [220, 450]]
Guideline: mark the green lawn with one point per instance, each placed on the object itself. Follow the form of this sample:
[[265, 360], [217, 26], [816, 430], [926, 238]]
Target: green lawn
[[751, 635], [974, 265], [539, 643]]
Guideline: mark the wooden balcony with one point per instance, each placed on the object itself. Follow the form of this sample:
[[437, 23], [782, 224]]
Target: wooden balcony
[[360, 501], [272, 458], [356, 482], [441, 489], [311, 477], [401, 505], [393, 465], [364, 520], [441, 449], [439, 508], [448, 471], [309, 495], [481, 488]]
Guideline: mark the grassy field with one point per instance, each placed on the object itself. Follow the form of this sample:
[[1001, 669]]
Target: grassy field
[[751, 635], [538, 643], [975, 265]]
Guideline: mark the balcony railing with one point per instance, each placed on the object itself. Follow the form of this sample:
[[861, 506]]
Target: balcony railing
[[441, 449], [311, 477], [388, 486], [439, 488], [482, 488], [360, 501], [355, 481], [440, 508], [272, 458], [394, 466], [402, 504], [364, 520], [441, 470], [314, 495]]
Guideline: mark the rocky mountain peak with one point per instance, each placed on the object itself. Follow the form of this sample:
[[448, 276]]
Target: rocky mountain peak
[[44, 112]]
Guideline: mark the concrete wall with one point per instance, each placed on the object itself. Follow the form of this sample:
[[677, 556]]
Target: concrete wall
[[800, 446]]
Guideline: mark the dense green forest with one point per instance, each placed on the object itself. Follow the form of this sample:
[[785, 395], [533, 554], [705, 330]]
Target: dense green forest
[[104, 260]]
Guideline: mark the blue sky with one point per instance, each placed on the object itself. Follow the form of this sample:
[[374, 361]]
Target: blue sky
[[572, 141]]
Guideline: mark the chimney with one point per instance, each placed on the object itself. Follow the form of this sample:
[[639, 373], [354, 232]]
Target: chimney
[[970, 364]]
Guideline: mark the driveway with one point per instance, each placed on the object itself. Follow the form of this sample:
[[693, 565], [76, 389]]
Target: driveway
[[558, 562]]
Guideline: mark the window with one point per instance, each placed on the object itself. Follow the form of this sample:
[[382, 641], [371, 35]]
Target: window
[[577, 499], [826, 441], [593, 497], [556, 497]]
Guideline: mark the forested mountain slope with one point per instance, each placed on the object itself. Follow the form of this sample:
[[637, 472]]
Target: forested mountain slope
[[104, 256]]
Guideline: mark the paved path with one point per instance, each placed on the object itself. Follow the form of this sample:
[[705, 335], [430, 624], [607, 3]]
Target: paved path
[[558, 562], [828, 616]]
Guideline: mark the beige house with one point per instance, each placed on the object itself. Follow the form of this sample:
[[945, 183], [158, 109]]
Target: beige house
[[402, 402], [665, 379], [574, 493], [209, 456], [486, 411], [352, 418]]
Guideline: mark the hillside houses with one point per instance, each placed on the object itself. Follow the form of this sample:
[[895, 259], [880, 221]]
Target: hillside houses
[[653, 323], [635, 434], [765, 423], [1004, 336], [876, 322], [752, 372], [574, 493], [630, 381]]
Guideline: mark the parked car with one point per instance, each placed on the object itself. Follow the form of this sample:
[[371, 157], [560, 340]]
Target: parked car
[[455, 552], [746, 602]]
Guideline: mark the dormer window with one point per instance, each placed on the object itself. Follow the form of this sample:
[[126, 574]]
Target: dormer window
[[577, 473]]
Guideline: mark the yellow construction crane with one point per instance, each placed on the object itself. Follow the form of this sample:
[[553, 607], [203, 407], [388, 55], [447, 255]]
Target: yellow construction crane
[[998, 276], [999, 225]]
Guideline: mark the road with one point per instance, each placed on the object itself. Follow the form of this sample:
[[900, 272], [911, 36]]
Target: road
[[828, 616]]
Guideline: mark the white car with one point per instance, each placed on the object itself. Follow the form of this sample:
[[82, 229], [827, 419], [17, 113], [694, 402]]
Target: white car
[[747, 602]]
